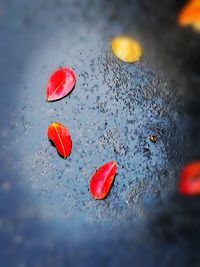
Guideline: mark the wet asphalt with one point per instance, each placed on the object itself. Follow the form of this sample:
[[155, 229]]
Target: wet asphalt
[[47, 216]]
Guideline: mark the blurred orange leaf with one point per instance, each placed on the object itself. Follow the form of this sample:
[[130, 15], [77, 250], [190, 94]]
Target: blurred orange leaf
[[190, 14]]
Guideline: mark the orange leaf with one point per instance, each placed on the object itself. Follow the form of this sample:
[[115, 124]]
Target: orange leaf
[[190, 14]]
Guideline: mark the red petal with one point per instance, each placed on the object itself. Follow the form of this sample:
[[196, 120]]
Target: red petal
[[189, 183], [60, 136], [102, 180], [60, 84]]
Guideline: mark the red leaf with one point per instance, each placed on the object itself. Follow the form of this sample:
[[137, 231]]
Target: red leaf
[[102, 180], [189, 183], [60, 137], [60, 84]]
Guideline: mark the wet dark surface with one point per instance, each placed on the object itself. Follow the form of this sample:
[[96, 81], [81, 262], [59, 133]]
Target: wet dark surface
[[47, 216]]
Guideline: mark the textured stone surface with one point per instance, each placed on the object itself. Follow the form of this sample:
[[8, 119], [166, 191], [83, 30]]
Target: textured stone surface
[[46, 212]]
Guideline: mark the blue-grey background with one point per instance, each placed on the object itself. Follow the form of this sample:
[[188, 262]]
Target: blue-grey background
[[47, 216]]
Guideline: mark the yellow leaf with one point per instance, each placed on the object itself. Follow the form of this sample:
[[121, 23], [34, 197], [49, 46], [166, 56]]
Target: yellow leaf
[[126, 49], [196, 26]]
